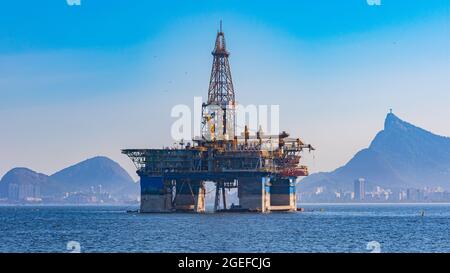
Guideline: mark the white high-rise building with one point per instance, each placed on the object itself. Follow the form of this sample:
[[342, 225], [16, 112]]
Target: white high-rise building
[[359, 189]]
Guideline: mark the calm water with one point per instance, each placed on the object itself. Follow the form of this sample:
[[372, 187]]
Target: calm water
[[335, 228]]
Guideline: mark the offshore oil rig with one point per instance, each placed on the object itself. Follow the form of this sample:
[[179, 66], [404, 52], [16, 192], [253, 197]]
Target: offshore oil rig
[[263, 168]]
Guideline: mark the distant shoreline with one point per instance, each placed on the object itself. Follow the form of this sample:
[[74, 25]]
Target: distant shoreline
[[299, 205], [68, 205], [390, 203]]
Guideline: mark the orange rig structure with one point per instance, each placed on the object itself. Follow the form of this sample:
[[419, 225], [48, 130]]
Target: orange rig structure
[[263, 168]]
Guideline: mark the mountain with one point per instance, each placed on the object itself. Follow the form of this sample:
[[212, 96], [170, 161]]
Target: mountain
[[400, 156], [93, 172], [20, 181], [85, 177]]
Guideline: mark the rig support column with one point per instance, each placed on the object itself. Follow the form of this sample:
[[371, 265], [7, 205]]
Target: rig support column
[[190, 195], [224, 197], [200, 199], [156, 195], [283, 195], [217, 197], [254, 193]]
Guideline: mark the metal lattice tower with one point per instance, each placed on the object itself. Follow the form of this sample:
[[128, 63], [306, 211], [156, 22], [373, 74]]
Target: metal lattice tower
[[221, 90]]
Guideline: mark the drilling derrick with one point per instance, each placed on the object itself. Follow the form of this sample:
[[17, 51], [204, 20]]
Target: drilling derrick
[[263, 168], [219, 111]]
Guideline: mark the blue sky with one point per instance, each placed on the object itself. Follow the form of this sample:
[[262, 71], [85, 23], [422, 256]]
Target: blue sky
[[81, 81]]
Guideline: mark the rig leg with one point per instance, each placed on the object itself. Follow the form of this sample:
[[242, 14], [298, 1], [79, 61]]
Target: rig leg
[[217, 197], [283, 195], [190, 195], [254, 194], [156, 195], [200, 199], [224, 197]]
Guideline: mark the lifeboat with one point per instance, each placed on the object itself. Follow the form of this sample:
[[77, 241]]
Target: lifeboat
[[294, 172]]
